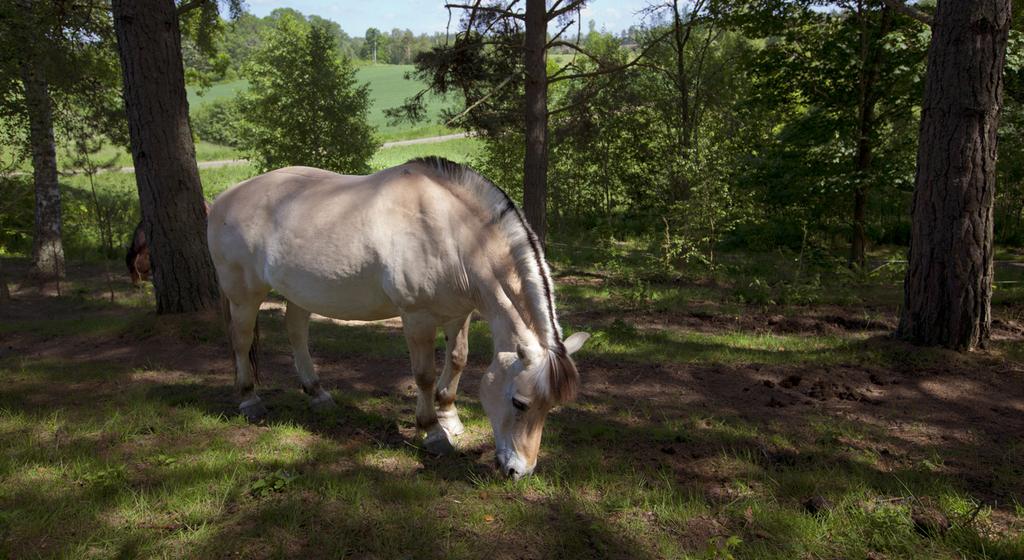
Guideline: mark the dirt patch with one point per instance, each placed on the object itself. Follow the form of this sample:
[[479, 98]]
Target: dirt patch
[[823, 320]]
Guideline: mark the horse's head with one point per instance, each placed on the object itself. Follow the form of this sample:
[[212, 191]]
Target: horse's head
[[517, 392]]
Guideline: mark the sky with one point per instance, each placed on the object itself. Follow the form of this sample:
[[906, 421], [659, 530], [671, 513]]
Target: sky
[[428, 16]]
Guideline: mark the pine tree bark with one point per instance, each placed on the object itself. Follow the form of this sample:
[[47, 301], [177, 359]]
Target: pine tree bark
[[948, 287], [47, 248], [170, 193], [535, 166]]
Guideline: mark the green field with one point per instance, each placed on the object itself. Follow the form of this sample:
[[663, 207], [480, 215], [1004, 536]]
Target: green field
[[388, 88], [462, 150]]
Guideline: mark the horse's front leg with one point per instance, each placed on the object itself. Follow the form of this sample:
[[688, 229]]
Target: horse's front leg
[[456, 352], [420, 330], [296, 319]]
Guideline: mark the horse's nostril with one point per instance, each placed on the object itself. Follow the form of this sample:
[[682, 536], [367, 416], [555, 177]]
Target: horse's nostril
[[511, 473]]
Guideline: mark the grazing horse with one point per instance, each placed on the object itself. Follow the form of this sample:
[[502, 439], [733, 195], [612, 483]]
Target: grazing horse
[[429, 241], [138, 259]]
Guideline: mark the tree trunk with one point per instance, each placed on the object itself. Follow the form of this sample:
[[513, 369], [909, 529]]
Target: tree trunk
[[171, 196], [680, 38], [871, 52], [948, 288], [535, 167], [47, 249]]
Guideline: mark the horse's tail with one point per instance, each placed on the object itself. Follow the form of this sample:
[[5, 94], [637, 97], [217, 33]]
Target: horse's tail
[[254, 349]]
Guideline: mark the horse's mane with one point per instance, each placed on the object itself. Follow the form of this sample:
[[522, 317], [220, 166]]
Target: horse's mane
[[558, 379]]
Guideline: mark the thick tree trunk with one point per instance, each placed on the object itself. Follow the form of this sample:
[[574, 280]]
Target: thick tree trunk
[[535, 167], [948, 287], [149, 42], [47, 249]]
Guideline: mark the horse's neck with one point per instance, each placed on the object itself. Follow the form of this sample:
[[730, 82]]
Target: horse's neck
[[508, 326], [499, 287]]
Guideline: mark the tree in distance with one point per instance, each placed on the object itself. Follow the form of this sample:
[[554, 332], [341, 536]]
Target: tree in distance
[[304, 106]]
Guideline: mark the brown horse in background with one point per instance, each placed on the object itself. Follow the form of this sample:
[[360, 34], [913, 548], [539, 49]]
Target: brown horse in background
[[139, 264]]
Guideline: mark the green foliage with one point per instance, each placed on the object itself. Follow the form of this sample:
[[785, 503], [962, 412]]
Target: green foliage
[[89, 221], [303, 106], [216, 49], [1009, 203], [218, 122], [387, 86], [73, 47], [277, 481], [814, 77]]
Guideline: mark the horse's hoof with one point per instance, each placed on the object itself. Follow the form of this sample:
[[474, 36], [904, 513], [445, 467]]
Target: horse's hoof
[[254, 410], [438, 443], [322, 403], [449, 420]]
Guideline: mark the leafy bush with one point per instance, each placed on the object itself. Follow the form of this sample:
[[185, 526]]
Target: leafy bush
[[117, 198], [303, 106], [218, 122], [16, 214]]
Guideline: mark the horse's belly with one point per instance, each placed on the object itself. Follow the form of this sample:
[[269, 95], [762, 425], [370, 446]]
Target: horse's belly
[[359, 297]]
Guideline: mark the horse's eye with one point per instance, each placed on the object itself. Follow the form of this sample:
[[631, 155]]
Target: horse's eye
[[520, 405]]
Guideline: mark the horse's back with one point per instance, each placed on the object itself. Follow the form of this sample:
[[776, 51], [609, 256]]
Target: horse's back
[[340, 245]]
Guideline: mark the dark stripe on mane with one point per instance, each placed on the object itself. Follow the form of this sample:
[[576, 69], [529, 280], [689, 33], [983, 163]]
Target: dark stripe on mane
[[453, 171], [545, 281]]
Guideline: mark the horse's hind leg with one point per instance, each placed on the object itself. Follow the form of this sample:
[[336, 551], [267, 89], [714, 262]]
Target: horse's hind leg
[[244, 342], [456, 352], [297, 320], [419, 335]]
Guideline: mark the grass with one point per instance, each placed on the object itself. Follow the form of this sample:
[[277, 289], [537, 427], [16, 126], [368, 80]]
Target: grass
[[221, 91], [115, 157], [388, 89], [462, 150], [154, 472], [111, 454]]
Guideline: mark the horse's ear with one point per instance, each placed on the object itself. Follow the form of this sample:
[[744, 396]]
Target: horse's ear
[[506, 359], [575, 342]]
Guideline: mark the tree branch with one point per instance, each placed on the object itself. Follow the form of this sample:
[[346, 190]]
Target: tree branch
[[911, 11], [554, 39], [189, 6], [606, 70], [556, 12], [495, 10], [490, 94]]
